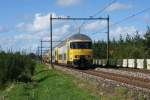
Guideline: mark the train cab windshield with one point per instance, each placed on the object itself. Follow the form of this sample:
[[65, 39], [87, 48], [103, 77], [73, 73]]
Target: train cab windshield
[[81, 45]]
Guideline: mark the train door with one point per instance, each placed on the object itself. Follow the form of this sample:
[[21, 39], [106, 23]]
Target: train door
[[67, 53], [63, 52], [56, 55]]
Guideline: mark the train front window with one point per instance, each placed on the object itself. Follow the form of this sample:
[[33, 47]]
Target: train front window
[[80, 45]]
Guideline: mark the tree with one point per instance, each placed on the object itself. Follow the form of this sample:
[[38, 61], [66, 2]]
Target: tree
[[100, 49], [121, 39], [147, 42], [0, 49], [126, 47]]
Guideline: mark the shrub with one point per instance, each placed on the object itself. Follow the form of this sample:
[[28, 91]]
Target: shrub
[[15, 67]]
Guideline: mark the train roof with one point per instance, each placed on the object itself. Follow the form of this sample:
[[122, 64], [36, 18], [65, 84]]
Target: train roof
[[79, 37]]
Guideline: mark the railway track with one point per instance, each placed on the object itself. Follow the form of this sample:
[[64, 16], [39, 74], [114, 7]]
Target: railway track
[[128, 81], [145, 71], [129, 73], [134, 81]]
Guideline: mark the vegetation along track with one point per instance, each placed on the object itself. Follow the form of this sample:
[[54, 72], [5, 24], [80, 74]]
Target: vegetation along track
[[136, 82]]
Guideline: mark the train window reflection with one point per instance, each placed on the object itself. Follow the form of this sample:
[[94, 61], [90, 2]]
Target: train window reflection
[[80, 45]]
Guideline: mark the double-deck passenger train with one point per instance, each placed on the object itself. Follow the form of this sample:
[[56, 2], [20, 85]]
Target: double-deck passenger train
[[75, 51]]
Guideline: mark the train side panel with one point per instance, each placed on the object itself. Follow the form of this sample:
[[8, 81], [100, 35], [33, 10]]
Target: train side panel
[[62, 54]]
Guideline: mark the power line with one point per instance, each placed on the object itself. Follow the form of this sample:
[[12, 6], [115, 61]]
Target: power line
[[100, 11], [126, 18], [66, 36], [69, 18], [94, 15], [131, 16], [74, 19]]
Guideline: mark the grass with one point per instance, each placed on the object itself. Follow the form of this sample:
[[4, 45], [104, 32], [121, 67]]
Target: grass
[[56, 85], [122, 93], [47, 85]]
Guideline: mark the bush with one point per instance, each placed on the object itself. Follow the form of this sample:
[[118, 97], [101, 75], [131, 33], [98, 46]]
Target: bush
[[15, 67]]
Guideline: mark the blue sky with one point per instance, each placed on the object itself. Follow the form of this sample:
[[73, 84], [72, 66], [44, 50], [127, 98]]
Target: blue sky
[[24, 22]]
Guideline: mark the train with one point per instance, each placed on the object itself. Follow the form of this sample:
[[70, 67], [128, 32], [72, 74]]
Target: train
[[46, 57], [75, 51]]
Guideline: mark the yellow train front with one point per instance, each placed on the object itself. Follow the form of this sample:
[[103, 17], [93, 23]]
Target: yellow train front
[[75, 51]]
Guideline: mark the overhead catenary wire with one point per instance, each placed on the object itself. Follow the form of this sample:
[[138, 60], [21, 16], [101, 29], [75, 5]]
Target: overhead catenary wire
[[124, 19], [98, 12], [66, 36], [131, 16], [90, 17], [59, 18], [94, 15]]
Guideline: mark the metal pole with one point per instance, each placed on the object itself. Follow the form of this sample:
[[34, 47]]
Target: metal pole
[[51, 40], [108, 40], [68, 18], [41, 51], [38, 53]]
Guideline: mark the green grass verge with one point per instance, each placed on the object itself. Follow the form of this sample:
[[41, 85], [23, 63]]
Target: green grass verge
[[48, 85], [57, 85]]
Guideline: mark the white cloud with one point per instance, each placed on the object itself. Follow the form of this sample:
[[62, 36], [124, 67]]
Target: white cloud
[[62, 30], [116, 32], [57, 33], [8, 41], [23, 27], [66, 3], [22, 42], [34, 31], [95, 26], [24, 37], [118, 6], [39, 27], [40, 23]]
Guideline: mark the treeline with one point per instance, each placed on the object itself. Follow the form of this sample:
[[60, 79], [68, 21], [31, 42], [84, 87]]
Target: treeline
[[125, 47], [16, 67]]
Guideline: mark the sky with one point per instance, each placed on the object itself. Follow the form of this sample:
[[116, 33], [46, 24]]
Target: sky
[[23, 23]]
